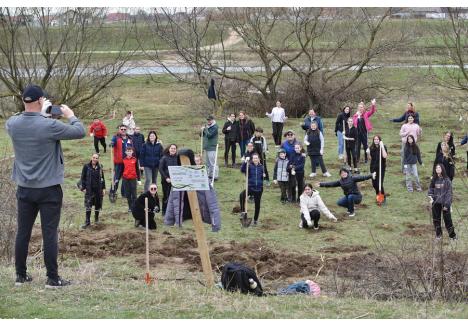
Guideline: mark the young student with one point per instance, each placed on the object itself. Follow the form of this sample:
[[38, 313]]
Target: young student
[[311, 206], [315, 144], [255, 184], [245, 129], [348, 183], [93, 184], [98, 130], [169, 159], [350, 137], [261, 147], [440, 196], [361, 120], [249, 151], [129, 122], [150, 155], [131, 174], [278, 118], [138, 141], [138, 210], [374, 152], [119, 143], [281, 175], [341, 121], [412, 156], [210, 141], [410, 110], [448, 139], [409, 128], [445, 158], [296, 175], [230, 139]]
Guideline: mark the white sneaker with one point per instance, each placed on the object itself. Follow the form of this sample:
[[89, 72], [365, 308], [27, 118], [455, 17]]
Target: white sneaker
[[340, 157], [312, 175], [352, 214], [316, 228], [300, 224], [327, 174]]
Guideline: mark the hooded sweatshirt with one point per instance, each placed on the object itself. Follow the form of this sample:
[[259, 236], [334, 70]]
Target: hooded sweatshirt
[[412, 129], [313, 202], [440, 190]]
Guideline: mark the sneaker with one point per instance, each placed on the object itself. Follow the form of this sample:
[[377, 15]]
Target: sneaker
[[57, 283], [316, 228], [312, 175], [300, 225], [352, 214], [410, 190], [85, 226], [327, 174], [455, 238], [438, 238], [96, 221], [255, 223], [340, 157], [21, 279]]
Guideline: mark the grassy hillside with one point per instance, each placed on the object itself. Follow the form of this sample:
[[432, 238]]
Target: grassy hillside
[[106, 263]]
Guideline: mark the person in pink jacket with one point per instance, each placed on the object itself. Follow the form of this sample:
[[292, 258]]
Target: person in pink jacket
[[363, 125], [409, 128]]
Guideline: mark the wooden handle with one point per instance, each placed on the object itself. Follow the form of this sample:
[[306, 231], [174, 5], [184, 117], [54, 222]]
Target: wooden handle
[[147, 236], [199, 231]]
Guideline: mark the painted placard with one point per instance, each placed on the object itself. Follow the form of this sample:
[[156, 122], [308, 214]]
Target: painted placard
[[189, 177]]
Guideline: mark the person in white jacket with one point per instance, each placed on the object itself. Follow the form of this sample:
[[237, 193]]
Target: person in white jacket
[[278, 117], [129, 122], [311, 207]]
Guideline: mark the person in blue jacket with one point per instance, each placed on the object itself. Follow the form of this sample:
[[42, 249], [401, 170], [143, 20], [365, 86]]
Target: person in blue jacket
[[410, 109], [150, 154], [289, 143], [312, 116], [255, 183]]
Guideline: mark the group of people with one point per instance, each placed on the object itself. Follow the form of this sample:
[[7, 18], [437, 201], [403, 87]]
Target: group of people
[[38, 169]]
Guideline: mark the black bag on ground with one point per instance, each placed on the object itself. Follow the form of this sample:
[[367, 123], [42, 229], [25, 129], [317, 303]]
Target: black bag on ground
[[238, 277]]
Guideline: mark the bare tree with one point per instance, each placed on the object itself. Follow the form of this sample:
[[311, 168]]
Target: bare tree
[[57, 50], [453, 73]]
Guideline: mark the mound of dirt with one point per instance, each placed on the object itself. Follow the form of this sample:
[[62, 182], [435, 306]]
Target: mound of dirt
[[417, 229], [343, 249]]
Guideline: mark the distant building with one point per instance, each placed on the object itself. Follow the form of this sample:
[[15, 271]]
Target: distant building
[[114, 17]]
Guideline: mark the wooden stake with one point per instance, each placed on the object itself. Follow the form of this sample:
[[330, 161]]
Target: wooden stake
[[199, 231]]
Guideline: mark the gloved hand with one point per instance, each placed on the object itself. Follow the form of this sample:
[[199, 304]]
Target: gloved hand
[[275, 182], [156, 209], [374, 174], [309, 223], [373, 101], [91, 135], [306, 143], [139, 182], [431, 200], [321, 152], [247, 159]]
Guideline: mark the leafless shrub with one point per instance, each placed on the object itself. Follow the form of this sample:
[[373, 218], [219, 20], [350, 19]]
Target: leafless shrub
[[7, 210]]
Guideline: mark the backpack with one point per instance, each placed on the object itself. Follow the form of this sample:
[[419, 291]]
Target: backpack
[[238, 277]]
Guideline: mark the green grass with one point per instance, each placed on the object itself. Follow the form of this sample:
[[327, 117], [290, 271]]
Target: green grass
[[114, 288]]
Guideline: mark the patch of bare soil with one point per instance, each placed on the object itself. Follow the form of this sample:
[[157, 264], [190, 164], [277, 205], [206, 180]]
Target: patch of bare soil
[[343, 249], [417, 230]]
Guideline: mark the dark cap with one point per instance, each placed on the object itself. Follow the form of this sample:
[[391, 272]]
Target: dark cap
[[289, 132], [32, 93], [281, 150], [210, 117]]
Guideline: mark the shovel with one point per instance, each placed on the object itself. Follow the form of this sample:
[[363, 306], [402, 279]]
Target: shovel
[[380, 196], [112, 193], [244, 219]]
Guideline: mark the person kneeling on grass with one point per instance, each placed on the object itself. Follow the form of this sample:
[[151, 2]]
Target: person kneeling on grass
[[138, 210], [311, 206], [348, 183]]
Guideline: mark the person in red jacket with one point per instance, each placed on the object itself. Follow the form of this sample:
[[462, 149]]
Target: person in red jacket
[[131, 173], [98, 130], [119, 143]]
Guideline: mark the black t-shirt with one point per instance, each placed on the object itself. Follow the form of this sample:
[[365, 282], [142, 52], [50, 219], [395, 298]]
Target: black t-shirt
[[361, 126]]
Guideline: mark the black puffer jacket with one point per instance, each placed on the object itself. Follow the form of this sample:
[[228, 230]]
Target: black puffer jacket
[[233, 134], [91, 176], [164, 164], [339, 121], [348, 184]]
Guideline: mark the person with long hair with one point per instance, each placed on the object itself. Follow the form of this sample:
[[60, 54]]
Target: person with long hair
[[411, 157], [311, 206], [245, 129], [448, 140], [445, 158], [230, 139], [340, 123], [150, 155], [350, 137], [278, 118], [315, 147], [169, 159], [93, 184], [440, 196], [407, 129], [374, 152], [361, 120], [255, 184]]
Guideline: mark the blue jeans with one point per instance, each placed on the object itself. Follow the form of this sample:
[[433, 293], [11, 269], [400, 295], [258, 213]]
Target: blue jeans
[[349, 201], [243, 145], [339, 134]]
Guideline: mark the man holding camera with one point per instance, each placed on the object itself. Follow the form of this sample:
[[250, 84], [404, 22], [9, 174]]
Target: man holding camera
[[38, 171]]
